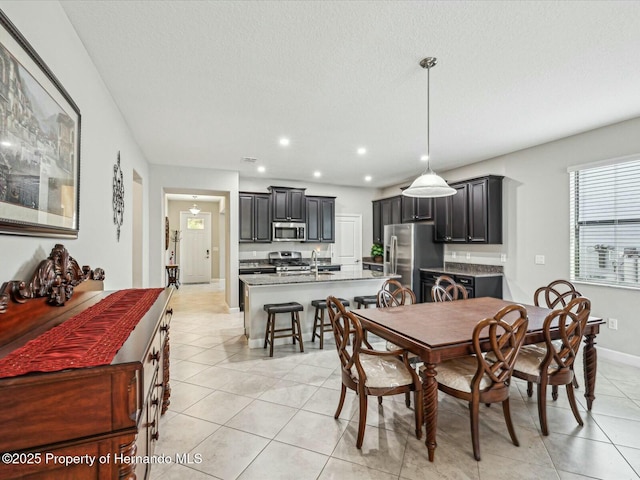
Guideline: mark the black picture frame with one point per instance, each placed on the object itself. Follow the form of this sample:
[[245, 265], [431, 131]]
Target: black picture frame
[[39, 144]]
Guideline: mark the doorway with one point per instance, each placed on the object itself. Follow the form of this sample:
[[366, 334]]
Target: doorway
[[136, 232], [195, 247], [349, 241]]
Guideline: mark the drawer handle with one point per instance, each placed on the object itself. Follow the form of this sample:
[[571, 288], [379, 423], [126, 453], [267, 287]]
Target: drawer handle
[[170, 311], [154, 401], [155, 436], [155, 356], [152, 424], [164, 328]]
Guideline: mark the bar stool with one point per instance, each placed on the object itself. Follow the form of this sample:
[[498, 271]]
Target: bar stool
[[365, 300], [272, 310], [318, 319]]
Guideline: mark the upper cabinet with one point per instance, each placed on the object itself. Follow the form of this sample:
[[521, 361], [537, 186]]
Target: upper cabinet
[[416, 209], [473, 214], [288, 204], [387, 211], [321, 219], [255, 217]]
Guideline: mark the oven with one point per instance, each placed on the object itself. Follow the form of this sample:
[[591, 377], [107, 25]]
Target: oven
[[289, 232]]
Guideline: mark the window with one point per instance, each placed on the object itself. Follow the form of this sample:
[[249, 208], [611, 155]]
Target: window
[[605, 223], [195, 223]]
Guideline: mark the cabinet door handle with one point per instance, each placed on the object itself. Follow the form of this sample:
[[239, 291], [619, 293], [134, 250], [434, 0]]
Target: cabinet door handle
[[469, 237]]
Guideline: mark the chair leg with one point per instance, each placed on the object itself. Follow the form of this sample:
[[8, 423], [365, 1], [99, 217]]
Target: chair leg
[[542, 407], [343, 394], [575, 382], [297, 324], [293, 327], [362, 419], [530, 389], [321, 329], [554, 392], [417, 400], [272, 333], [266, 332], [474, 408], [379, 400], [574, 406], [507, 418], [407, 399], [315, 325]]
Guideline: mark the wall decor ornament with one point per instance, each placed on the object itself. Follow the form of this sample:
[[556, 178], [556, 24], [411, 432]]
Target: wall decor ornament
[[118, 196], [39, 144], [166, 233]]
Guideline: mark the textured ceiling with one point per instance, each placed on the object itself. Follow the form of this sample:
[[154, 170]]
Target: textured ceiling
[[206, 83]]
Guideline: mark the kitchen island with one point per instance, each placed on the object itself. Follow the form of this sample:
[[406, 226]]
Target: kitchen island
[[260, 289]]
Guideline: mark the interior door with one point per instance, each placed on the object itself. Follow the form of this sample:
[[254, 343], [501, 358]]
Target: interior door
[[195, 247], [348, 251]]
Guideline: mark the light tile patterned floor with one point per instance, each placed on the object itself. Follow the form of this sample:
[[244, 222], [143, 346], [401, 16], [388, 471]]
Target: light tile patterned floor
[[240, 414]]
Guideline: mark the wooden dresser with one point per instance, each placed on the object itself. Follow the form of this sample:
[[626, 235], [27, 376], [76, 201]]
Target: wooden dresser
[[97, 422]]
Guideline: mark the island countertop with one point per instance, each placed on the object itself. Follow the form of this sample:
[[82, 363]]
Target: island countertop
[[284, 278]]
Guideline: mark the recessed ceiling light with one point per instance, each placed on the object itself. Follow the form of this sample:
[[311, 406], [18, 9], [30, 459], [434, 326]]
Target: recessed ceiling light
[[284, 142], [424, 158], [317, 174], [5, 144], [362, 151], [367, 178], [261, 169]]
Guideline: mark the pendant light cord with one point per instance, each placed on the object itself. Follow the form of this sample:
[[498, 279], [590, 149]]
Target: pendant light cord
[[428, 120]]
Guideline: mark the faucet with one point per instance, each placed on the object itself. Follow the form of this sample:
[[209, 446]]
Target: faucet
[[314, 258]]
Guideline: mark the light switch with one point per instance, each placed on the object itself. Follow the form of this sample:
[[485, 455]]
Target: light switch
[[539, 259]]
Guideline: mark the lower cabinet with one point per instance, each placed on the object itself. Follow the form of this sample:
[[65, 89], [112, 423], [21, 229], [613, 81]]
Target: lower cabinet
[[485, 285], [376, 267]]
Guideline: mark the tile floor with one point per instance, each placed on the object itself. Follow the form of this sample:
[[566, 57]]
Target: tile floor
[[240, 414]]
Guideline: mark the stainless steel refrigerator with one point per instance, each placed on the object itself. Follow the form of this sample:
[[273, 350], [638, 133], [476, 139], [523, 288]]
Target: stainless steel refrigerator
[[409, 247]]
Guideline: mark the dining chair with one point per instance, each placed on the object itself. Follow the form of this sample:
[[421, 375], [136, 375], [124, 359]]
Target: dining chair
[[393, 294], [552, 363], [476, 380], [557, 292], [447, 290], [368, 371]]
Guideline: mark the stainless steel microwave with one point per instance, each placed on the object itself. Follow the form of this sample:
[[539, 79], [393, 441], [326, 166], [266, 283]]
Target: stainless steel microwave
[[289, 232]]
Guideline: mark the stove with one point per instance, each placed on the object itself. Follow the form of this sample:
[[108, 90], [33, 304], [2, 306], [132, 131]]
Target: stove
[[287, 261]]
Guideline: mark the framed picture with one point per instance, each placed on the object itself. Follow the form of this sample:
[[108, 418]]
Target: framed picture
[[39, 144]]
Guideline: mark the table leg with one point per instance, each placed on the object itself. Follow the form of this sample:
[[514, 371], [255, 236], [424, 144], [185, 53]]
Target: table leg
[[430, 402], [590, 368]]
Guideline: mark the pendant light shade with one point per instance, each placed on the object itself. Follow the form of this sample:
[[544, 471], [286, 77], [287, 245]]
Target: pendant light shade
[[194, 210], [428, 185]]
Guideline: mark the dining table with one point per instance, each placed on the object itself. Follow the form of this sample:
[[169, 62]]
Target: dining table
[[439, 331]]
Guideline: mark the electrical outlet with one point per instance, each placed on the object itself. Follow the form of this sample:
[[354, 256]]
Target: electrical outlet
[[503, 257], [454, 254], [613, 323], [540, 260], [468, 256], [254, 253]]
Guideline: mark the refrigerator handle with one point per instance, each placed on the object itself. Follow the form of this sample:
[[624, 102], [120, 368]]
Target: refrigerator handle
[[393, 260]]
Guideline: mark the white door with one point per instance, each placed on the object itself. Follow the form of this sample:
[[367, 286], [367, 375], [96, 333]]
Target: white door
[[349, 241], [195, 247]]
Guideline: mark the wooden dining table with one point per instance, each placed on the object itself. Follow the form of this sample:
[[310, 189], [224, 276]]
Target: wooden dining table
[[440, 331]]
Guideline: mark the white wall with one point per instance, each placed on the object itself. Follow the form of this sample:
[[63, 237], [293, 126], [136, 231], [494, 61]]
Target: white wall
[[536, 222], [103, 134]]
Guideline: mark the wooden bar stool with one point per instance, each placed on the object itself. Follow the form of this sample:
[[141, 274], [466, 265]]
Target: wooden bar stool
[[365, 300], [272, 310], [318, 319]]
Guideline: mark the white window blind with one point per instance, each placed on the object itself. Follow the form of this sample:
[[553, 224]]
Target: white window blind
[[605, 224]]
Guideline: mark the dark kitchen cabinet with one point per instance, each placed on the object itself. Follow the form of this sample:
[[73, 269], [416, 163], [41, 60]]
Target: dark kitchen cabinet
[[416, 209], [321, 219], [255, 217], [485, 285], [288, 204], [473, 214], [387, 211]]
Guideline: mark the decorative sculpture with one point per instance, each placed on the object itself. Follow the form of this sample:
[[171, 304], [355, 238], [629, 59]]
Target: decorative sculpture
[[118, 196]]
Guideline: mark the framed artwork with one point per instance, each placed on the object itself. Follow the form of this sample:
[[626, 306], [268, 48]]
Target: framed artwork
[[39, 144], [166, 233]]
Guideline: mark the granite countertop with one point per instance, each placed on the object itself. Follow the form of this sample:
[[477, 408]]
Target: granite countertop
[[459, 271], [281, 279]]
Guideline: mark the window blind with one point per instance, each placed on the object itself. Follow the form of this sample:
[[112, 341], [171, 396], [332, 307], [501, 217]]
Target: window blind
[[605, 224]]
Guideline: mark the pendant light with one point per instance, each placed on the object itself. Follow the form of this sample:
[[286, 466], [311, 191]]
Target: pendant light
[[195, 210], [428, 184]]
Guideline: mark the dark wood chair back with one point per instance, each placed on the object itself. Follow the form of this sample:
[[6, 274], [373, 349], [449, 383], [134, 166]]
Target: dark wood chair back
[[393, 294], [447, 290], [557, 293]]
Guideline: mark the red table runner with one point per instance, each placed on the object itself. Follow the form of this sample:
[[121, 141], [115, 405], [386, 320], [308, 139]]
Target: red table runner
[[91, 338]]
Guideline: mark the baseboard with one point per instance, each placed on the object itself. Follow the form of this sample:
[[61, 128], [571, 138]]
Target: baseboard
[[619, 357], [234, 309]]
